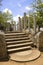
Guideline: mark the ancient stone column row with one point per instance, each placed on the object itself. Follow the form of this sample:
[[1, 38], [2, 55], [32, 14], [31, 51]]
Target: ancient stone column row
[[20, 24]]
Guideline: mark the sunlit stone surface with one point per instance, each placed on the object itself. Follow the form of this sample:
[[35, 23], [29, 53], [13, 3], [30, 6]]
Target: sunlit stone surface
[[30, 55]]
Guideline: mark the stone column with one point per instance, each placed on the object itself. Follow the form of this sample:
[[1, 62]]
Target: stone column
[[24, 21], [34, 19], [20, 24], [29, 23], [15, 26]]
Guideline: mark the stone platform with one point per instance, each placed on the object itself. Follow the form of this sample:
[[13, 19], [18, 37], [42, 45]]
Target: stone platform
[[25, 55]]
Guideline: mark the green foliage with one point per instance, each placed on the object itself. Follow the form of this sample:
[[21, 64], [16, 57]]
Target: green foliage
[[30, 19], [38, 7], [7, 16], [26, 21], [31, 22], [4, 17]]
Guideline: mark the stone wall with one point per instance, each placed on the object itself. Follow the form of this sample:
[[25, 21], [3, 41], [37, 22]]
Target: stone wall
[[3, 50], [39, 38], [41, 41]]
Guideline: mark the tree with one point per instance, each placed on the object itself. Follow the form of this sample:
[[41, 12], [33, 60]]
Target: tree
[[7, 15], [4, 17], [2, 21], [31, 21], [38, 7]]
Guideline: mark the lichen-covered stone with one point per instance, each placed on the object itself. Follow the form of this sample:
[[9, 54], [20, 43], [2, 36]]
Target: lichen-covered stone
[[3, 50], [39, 38]]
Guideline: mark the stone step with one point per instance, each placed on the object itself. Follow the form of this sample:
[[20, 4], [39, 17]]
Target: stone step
[[13, 39], [19, 49], [18, 42], [10, 34], [20, 45], [16, 36]]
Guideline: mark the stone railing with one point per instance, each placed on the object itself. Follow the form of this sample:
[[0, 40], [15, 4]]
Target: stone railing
[[38, 39], [3, 50]]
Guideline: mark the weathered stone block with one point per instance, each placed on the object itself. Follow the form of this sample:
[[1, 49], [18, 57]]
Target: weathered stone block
[[39, 38], [3, 50]]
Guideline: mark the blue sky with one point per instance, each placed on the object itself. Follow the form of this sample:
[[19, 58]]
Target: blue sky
[[17, 7]]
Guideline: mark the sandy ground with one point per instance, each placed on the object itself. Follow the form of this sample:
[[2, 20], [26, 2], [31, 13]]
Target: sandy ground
[[38, 61]]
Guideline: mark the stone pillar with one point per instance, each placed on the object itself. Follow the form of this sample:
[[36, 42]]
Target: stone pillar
[[34, 24], [24, 21], [3, 50], [14, 26], [29, 24], [20, 24]]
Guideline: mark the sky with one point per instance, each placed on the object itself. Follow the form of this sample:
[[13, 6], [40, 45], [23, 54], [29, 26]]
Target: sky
[[16, 7]]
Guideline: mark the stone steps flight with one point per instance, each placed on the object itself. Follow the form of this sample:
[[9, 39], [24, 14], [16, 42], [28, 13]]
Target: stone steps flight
[[17, 42]]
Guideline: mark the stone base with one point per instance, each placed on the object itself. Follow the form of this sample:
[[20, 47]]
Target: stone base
[[41, 49], [4, 58], [25, 55]]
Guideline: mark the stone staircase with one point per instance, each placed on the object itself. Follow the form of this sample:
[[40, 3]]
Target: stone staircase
[[17, 42], [20, 47]]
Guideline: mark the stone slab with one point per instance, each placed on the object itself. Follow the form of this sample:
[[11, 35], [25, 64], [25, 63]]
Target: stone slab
[[25, 56]]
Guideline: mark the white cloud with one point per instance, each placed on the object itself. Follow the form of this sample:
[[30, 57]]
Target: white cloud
[[27, 8], [9, 21], [6, 9], [15, 18], [19, 5]]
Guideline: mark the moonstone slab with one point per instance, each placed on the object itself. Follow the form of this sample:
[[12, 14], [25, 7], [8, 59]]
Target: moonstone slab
[[25, 55]]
